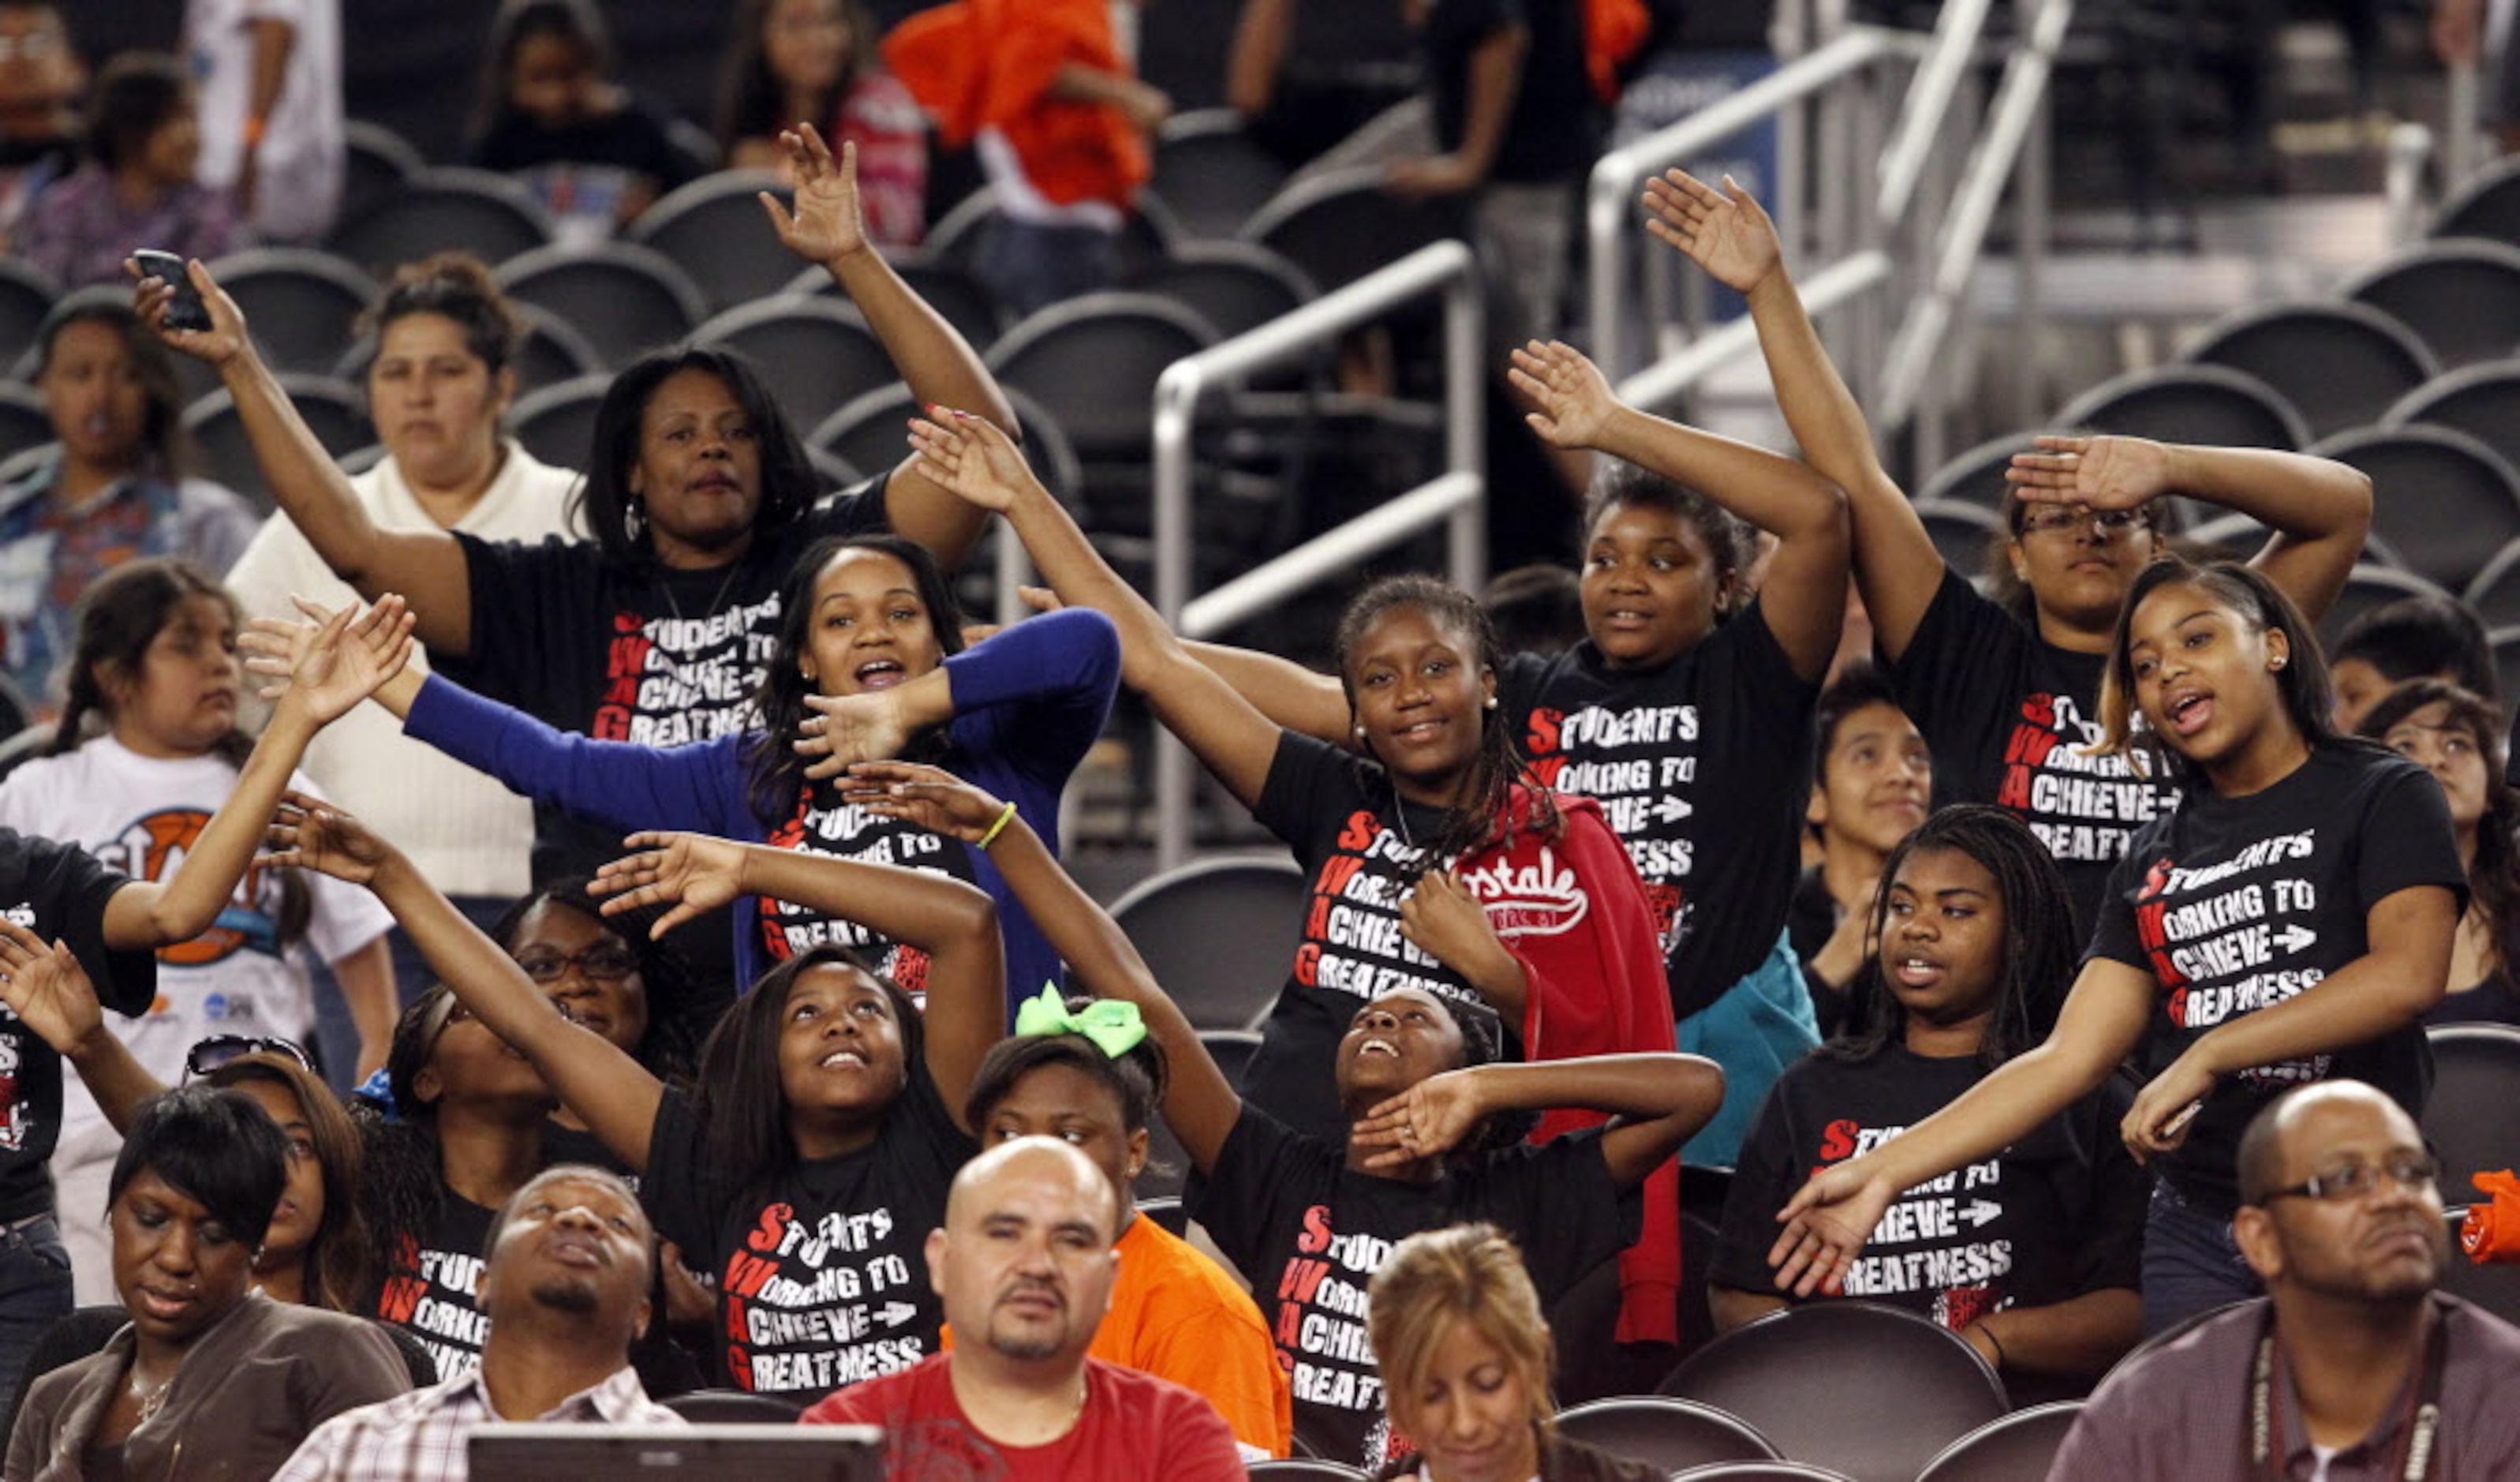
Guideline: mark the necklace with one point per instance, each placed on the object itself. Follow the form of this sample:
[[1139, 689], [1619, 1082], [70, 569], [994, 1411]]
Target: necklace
[[715, 597], [152, 1400]]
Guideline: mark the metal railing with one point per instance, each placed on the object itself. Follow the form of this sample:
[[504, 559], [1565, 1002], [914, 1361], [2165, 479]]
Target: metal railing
[[1455, 498]]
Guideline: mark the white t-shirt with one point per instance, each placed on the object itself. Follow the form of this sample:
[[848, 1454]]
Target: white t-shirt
[[467, 833], [301, 159], [141, 814]]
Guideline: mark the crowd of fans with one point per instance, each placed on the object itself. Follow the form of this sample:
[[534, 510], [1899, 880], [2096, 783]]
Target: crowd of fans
[[689, 1065]]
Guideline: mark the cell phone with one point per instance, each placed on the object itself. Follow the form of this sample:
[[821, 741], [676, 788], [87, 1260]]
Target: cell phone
[[2186, 1114], [187, 311]]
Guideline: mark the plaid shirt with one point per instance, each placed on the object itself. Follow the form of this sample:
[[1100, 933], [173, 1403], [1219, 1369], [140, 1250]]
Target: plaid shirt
[[421, 1436]]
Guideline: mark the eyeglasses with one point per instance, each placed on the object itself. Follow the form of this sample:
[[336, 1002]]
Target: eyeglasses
[[2057, 519], [606, 963], [219, 1050], [2412, 1171]]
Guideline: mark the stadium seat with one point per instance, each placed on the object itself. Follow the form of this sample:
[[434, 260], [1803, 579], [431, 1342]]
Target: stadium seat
[[1233, 286], [1662, 1431], [2469, 1120], [2341, 365], [2487, 206], [1871, 1390], [378, 162], [2461, 297], [551, 351], [955, 237], [715, 230], [2164, 1338], [1093, 363], [1304, 1469], [1148, 236], [2366, 586], [731, 1407], [556, 423], [332, 409], [1976, 476], [2443, 501], [26, 295], [2020, 1445], [1960, 532], [2494, 590], [625, 299], [813, 353], [1340, 225], [23, 423], [1219, 934], [2208, 404], [946, 286], [2483, 401], [871, 434], [1211, 174], [301, 305], [440, 209], [1760, 1472], [2505, 642], [1167, 1167]]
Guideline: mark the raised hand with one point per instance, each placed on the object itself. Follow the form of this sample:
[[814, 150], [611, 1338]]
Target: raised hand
[[851, 727], [275, 647], [1426, 1121], [226, 338], [1726, 232], [827, 223], [2101, 472], [689, 872], [345, 658], [47, 988], [970, 459], [931, 797], [1827, 1223], [1574, 399], [309, 833]]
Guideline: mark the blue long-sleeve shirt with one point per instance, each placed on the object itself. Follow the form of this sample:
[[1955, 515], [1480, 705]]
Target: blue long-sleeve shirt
[[1027, 704]]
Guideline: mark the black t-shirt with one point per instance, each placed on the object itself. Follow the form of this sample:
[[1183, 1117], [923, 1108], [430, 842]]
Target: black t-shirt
[[2054, 1216], [1350, 951], [1310, 1234], [2234, 904], [650, 655], [1552, 130], [1811, 919], [2009, 717], [54, 890], [630, 138], [1709, 755], [433, 1283], [824, 825], [821, 1270]]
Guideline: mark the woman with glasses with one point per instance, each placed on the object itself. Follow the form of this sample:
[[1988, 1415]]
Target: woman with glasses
[[2007, 688], [2290, 921]]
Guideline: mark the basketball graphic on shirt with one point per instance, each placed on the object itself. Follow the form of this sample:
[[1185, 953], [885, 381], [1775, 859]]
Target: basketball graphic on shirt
[[152, 846]]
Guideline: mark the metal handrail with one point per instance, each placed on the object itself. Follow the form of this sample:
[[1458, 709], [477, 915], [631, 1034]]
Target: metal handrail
[[1455, 498], [1929, 99]]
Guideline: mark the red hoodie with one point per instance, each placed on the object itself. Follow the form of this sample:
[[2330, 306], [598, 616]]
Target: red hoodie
[[989, 64]]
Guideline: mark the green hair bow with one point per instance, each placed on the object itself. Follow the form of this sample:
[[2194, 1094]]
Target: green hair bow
[[1114, 1026]]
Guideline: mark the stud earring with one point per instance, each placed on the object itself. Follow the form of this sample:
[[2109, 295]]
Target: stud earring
[[1491, 702], [1360, 733], [2275, 663]]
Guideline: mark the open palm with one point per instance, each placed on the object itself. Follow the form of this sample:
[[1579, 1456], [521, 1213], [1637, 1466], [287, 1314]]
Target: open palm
[[310, 834], [46, 988], [827, 222], [2102, 472], [687, 873], [1726, 232], [971, 459]]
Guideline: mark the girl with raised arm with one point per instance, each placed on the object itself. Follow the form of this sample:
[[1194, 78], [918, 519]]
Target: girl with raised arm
[[2290, 921], [2007, 690], [1420, 1091], [811, 1160]]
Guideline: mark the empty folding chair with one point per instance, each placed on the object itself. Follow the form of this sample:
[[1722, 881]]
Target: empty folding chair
[[2487, 206], [1093, 363], [1976, 476], [1341, 224], [300, 304], [947, 287], [715, 230], [2209, 404], [1211, 174], [1233, 286], [2461, 297], [2482, 401], [2468, 1119], [812, 352], [1304, 1469], [625, 299], [1760, 1472], [2495, 593], [1219, 934], [2020, 1445], [2341, 365], [871, 434], [378, 162], [2366, 586], [2442, 500], [441, 210], [1661, 1430], [332, 409], [26, 295], [556, 423], [551, 351], [1961, 533]]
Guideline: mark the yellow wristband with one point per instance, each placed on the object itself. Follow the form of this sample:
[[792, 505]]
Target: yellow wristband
[[1005, 816]]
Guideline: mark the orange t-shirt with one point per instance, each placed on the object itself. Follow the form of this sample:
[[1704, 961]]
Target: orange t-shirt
[[1177, 1315]]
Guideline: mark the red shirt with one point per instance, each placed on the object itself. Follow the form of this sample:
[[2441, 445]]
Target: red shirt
[[1133, 1425]]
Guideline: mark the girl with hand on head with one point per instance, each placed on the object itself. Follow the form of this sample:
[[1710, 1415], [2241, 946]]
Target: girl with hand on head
[[1439, 861], [814, 1154], [2007, 690], [1420, 1095], [146, 750], [2456, 735], [2290, 921]]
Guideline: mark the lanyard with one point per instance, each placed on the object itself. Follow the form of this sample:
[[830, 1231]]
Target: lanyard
[[2265, 1399]]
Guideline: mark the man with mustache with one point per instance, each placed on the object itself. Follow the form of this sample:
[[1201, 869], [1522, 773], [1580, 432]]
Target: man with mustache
[[1024, 1265], [571, 1258], [2352, 1367]]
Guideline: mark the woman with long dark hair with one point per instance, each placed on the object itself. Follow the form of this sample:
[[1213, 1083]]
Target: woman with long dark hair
[[2290, 921], [2456, 735], [816, 61]]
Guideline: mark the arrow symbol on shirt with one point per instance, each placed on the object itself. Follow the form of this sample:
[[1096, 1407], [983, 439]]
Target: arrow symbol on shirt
[[1981, 1212], [894, 1314], [2295, 937], [1672, 810]]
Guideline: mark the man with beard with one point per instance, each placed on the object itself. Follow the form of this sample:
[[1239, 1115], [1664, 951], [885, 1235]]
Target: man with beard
[[571, 1259], [1024, 1265], [2352, 1367]]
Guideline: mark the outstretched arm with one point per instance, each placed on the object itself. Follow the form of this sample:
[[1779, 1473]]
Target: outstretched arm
[[616, 1094], [940, 368], [1655, 1102], [2319, 509], [50, 993], [954, 924], [1804, 596], [979, 462], [1199, 1103], [1727, 234], [347, 659], [426, 566]]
